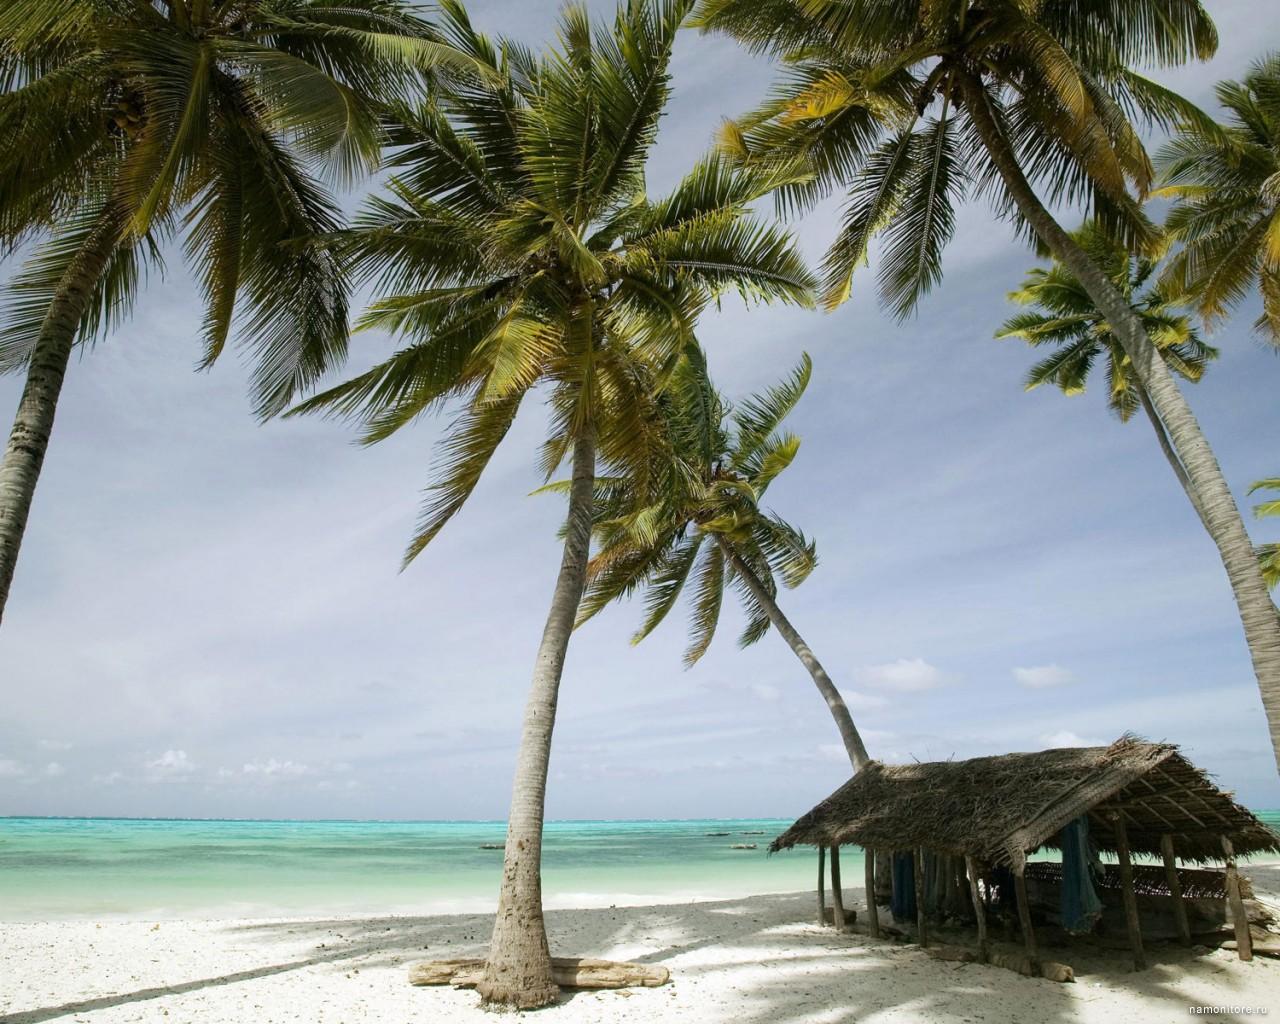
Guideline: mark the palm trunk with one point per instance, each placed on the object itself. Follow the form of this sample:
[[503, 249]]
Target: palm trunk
[[1170, 455], [853, 745], [518, 969], [1212, 496], [33, 424]]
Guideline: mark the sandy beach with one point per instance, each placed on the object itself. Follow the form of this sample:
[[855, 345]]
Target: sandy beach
[[759, 960]]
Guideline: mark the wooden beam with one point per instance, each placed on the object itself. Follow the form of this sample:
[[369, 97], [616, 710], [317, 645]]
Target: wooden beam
[[822, 884], [922, 926], [1244, 941], [837, 891], [979, 909], [1128, 896], [1175, 889], [1024, 918], [869, 874]]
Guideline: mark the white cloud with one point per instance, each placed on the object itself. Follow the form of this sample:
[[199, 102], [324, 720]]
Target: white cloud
[[108, 779], [1040, 677], [765, 692], [1067, 738], [273, 767], [53, 769], [10, 769], [55, 745], [859, 701], [907, 674], [171, 764]]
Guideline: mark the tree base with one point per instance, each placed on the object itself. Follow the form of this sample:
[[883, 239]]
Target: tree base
[[502, 997]]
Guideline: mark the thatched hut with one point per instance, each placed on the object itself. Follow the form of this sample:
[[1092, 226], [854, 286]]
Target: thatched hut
[[987, 814]]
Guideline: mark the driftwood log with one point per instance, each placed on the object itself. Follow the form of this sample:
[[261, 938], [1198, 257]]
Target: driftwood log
[[568, 971], [1019, 962]]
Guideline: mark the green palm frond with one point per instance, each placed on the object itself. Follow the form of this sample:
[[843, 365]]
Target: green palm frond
[[515, 251], [1065, 318], [1226, 214], [878, 99]]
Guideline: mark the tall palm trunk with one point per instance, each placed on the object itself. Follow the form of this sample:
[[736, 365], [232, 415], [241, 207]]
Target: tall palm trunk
[[518, 969], [1212, 496], [1170, 455], [33, 424], [853, 745]]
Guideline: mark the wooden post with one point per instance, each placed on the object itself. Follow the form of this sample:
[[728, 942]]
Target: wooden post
[[979, 909], [873, 915], [1244, 941], [822, 885], [922, 926], [1175, 888], [1127, 894], [837, 892], [1024, 918]]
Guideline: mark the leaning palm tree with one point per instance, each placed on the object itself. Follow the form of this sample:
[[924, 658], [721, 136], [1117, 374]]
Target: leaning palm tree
[[912, 106], [1066, 318], [129, 121], [707, 526], [517, 250], [1226, 180]]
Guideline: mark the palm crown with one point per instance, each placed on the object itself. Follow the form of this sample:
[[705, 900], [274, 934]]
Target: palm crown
[[1066, 318], [128, 120], [517, 248], [899, 102], [1226, 181], [709, 517]]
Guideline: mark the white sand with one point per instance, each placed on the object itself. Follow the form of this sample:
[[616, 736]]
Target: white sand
[[753, 961]]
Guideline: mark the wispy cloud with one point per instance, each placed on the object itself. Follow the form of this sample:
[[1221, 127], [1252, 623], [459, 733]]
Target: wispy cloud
[[172, 764], [906, 674], [1041, 677]]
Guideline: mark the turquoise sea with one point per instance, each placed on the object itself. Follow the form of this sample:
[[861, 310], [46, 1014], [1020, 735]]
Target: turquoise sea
[[100, 867]]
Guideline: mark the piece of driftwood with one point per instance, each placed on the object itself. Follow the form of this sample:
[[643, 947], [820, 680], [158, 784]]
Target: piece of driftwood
[[1261, 948], [1019, 962], [568, 971]]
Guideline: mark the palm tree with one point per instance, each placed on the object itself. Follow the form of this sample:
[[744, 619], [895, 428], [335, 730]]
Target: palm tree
[[1268, 554], [912, 106], [708, 527], [1226, 180], [1066, 317], [518, 250], [129, 121]]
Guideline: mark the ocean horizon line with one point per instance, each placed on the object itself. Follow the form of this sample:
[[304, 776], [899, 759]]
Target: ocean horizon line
[[376, 821]]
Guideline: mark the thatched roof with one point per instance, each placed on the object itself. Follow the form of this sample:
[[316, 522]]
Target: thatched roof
[[1000, 808]]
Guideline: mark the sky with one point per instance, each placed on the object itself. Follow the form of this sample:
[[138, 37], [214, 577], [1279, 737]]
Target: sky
[[208, 618]]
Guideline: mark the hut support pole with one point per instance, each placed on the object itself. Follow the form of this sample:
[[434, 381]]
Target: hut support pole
[[1244, 941], [922, 926], [822, 885], [979, 909], [1024, 918], [1127, 894], [837, 891], [873, 915], [1175, 888]]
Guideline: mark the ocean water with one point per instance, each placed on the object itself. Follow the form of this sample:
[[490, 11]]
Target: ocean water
[[95, 868], [100, 868]]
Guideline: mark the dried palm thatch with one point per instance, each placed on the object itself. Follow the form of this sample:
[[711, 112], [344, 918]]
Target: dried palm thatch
[[998, 809]]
